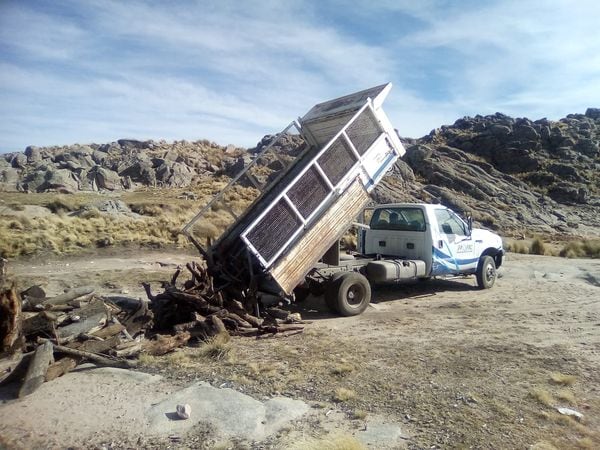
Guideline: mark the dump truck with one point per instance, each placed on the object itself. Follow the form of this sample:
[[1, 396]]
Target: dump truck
[[306, 187]]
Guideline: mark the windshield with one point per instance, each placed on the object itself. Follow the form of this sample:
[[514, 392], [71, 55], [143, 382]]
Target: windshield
[[398, 218]]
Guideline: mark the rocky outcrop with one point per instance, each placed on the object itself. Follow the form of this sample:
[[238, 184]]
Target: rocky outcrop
[[124, 164], [513, 175]]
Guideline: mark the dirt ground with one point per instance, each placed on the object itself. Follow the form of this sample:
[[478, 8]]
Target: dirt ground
[[454, 366]]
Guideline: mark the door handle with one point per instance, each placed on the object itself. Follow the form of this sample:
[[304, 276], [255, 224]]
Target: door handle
[[440, 244]]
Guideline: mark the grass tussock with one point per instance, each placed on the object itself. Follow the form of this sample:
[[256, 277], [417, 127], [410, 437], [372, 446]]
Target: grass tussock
[[566, 396], [218, 347], [537, 246], [586, 248], [335, 442], [517, 247], [562, 379], [344, 395], [342, 369], [542, 396], [359, 414]]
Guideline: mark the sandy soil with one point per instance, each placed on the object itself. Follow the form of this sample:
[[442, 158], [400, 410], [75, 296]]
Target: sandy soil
[[454, 366]]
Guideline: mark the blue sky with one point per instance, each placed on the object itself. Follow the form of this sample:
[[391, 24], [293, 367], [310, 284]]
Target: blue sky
[[100, 70]]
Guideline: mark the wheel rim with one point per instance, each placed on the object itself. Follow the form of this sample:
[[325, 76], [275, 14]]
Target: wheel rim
[[355, 295], [490, 273]]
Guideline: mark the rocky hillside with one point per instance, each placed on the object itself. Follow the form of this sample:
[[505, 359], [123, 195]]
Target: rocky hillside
[[514, 175]]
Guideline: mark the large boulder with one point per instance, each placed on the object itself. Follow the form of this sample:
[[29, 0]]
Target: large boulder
[[33, 154], [569, 194], [593, 113], [19, 161], [9, 179], [61, 180], [106, 179]]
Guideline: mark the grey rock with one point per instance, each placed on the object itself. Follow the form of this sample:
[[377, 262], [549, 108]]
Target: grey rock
[[33, 154], [593, 113], [9, 179], [500, 130], [106, 179], [133, 143], [19, 161], [62, 180], [228, 412], [565, 171], [588, 147]]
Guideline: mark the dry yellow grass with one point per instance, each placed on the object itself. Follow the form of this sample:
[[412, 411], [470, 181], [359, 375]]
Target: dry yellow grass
[[562, 379], [162, 215], [567, 396], [342, 369], [542, 396], [218, 347], [335, 442], [343, 395]]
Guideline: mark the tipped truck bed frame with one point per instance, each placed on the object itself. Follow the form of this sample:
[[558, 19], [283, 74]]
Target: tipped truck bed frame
[[344, 147]]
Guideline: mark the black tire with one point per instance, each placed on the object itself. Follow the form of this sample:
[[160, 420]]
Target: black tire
[[330, 292], [486, 272], [352, 294]]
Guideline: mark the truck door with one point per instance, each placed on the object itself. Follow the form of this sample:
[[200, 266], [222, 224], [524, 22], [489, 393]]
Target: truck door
[[453, 251]]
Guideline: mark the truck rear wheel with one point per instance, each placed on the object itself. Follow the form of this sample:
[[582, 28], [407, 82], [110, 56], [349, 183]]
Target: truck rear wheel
[[348, 294], [486, 272]]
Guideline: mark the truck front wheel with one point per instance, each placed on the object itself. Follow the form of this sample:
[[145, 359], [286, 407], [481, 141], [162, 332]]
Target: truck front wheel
[[349, 294], [486, 272]]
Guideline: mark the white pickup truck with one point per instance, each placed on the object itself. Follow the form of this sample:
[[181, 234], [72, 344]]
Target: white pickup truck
[[405, 241]]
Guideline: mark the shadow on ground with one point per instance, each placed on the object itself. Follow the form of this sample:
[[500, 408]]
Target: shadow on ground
[[314, 307]]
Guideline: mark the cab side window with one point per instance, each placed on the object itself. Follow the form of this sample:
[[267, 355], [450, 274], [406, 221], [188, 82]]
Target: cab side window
[[448, 223]]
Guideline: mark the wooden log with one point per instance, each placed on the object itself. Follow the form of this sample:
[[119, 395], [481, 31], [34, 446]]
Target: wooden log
[[130, 351], [139, 320], [175, 276], [186, 326], [36, 372], [197, 276], [68, 296], [165, 344], [279, 335], [34, 291], [18, 368], [236, 307], [42, 322], [60, 367], [278, 313], [148, 290], [92, 318], [93, 357], [99, 346], [110, 330], [11, 336], [240, 322], [217, 324]]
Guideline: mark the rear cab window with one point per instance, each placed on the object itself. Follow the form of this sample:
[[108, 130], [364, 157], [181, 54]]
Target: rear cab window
[[398, 218]]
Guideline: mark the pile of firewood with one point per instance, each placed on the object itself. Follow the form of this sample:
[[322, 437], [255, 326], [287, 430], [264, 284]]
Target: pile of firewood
[[202, 311], [49, 336]]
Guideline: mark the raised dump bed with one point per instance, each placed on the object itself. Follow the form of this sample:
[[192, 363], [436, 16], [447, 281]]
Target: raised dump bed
[[310, 183]]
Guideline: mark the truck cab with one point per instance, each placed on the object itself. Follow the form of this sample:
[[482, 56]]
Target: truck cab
[[431, 233]]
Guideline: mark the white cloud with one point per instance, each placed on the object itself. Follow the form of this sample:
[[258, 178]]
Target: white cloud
[[233, 71]]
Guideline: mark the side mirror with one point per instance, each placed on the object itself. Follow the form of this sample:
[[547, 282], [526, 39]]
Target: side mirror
[[470, 224]]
